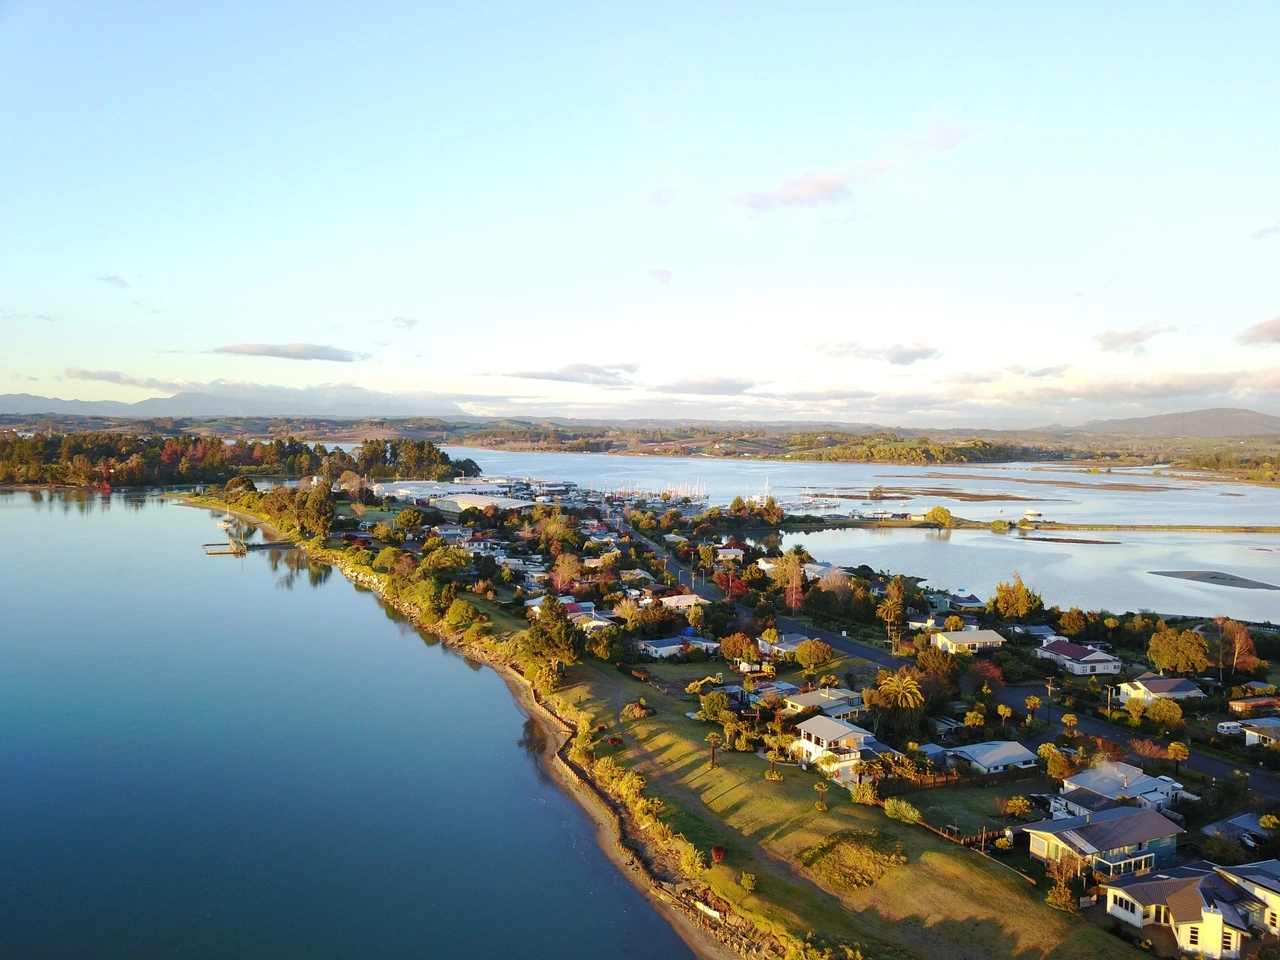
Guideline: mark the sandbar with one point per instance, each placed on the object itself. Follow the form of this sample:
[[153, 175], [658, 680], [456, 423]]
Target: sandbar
[[1217, 578]]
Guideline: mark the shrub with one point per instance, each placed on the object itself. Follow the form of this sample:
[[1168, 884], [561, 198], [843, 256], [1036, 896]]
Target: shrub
[[864, 793], [718, 854], [901, 810], [748, 882], [637, 711], [615, 740], [1004, 844], [853, 859]]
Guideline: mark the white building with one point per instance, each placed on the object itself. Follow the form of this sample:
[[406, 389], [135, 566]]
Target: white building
[[996, 756], [1077, 659], [967, 641]]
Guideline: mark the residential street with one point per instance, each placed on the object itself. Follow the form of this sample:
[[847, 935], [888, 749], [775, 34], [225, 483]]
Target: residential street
[[1264, 782]]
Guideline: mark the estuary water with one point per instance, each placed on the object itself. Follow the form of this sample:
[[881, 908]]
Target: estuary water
[[1116, 575], [249, 757]]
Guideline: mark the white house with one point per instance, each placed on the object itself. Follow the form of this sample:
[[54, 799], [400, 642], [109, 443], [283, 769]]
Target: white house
[[1152, 686], [785, 645], [834, 702], [1208, 912], [1261, 881], [712, 647], [1077, 659], [670, 647], [683, 601], [1263, 730], [1116, 780], [822, 736], [996, 756], [967, 641]]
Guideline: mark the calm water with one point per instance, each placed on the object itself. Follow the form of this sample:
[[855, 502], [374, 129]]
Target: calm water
[[222, 757], [1115, 577]]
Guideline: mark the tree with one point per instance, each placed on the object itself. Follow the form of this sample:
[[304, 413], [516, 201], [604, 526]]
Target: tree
[[1178, 752], [812, 653], [892, 608], [713, 706], [1005, 713], [1073, 622], [953, 624], [715, 740], [939, 517], [1136, 707], [1165, 712], [738, 646], [822, 787], [566, 571], [975, 719], [1069, 721], [1017, 807], [1178, 651], [1015, 601], [1236, 650], [410, 518], [707, 554], [387, 533], [1032, 703], [317, 516], [827, 681]]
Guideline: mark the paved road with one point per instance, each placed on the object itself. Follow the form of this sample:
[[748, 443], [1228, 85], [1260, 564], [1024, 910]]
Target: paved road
[[1264, 782]]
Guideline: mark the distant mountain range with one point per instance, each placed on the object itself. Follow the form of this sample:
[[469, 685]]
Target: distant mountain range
[[1215, 424]]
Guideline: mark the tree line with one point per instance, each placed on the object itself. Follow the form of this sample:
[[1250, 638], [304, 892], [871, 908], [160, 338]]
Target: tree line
[[128, 460]]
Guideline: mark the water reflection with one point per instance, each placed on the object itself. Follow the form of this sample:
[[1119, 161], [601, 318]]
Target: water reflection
[[292, 565], [534, 744]]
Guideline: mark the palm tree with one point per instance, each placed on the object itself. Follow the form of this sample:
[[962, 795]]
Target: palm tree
[[715, 740], [1178, 751], [822, 787], [901, 691], [890, 611]]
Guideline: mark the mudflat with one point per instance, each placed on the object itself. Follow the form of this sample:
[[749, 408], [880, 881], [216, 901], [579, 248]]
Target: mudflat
[[1217, 578]]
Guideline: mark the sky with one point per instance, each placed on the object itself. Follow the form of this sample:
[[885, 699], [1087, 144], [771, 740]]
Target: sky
[[926, 214]]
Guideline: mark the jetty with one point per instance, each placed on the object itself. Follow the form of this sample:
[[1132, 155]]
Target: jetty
[[235, 547]]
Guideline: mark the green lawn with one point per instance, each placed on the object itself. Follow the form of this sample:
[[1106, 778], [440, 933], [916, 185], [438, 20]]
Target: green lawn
[[972, 808], [945, 902]]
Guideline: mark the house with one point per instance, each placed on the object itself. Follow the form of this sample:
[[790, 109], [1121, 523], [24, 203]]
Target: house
[[966, 603], [1152, 686], [996, 756], [821, 736], [1260, 880], [1264, 730], [1255, 706], [661, 649], [1208, 913], [730, 553], [711, 647], [1077, 659], [966, 641], [785, 645], [1116, 780], [1113, 843], [832, 701], [1037, 631], [683, 601]]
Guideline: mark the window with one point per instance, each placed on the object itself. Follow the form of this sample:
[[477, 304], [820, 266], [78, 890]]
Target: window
[[1125, 904], [1226, 941], [1271, 918], [1193, 936]]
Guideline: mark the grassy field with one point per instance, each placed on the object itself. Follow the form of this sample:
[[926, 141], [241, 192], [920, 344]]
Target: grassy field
[[945, 900], [972, 808]]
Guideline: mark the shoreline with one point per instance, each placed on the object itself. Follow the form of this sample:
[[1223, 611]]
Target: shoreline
[[610, 833]]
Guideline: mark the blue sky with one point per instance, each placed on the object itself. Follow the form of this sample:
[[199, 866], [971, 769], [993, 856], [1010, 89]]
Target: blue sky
[[928, 215]]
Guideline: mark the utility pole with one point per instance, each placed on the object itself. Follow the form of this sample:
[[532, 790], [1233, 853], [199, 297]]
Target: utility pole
[[1048, 701]]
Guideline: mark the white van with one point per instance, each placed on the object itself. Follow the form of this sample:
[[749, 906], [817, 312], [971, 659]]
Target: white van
[[1229, 726]]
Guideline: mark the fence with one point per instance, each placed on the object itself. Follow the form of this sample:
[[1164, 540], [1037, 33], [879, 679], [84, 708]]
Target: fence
[[895, 787]]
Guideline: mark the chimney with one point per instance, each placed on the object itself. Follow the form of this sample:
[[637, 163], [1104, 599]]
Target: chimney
[[1088, 816], [1125, 778]]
